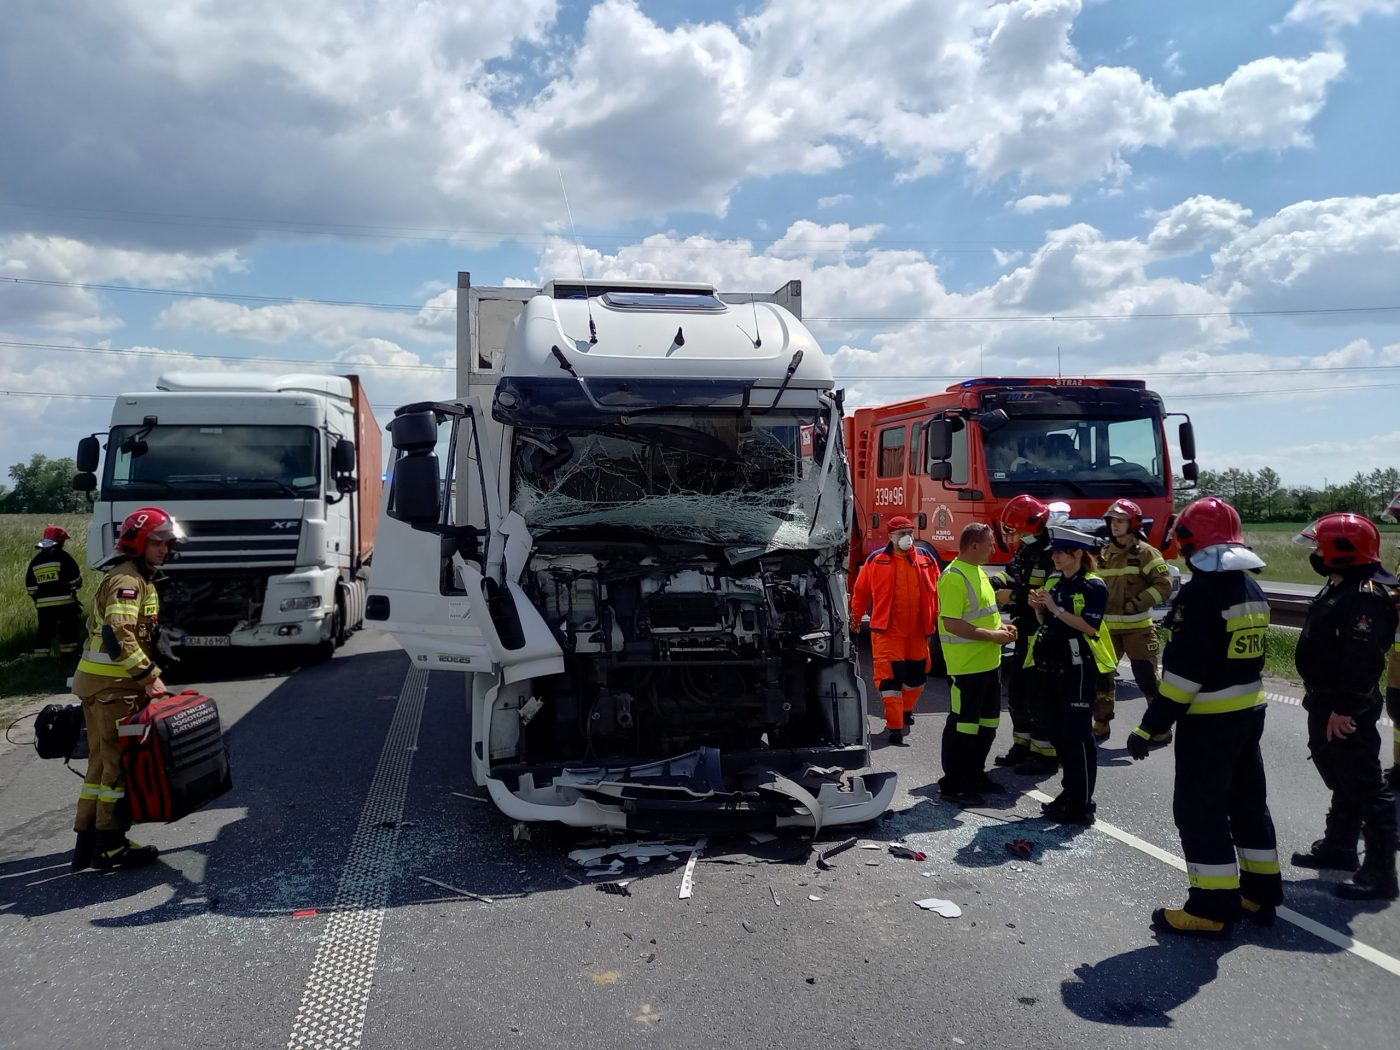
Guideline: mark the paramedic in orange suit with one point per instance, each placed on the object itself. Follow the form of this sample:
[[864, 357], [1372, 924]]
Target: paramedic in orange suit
[[898, 586]]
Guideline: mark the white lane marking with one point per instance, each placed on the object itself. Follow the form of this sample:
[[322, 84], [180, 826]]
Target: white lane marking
[[1297, 701], [1331, 936], [333, 1005]]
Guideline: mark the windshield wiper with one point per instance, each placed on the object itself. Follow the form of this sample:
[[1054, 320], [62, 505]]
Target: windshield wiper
[[196, 479], [264, 481]]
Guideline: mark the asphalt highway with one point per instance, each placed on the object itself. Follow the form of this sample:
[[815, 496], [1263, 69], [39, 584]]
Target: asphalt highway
[[294, 911]]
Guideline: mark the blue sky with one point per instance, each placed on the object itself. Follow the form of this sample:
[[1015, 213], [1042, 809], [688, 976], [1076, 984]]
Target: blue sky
[[1203, 194]]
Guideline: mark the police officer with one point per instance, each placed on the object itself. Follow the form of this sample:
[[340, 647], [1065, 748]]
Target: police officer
[[1071, 650], [972, 634], [899, 587], [1032, 723], [1137, 578], [1212, 682], [52, 580], [1350, 628], [117, 674]]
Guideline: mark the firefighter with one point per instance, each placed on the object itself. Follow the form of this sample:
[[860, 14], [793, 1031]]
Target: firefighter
[[52, 580], [116, 676], [899, 587], [1392, 677], [972, 634], [1212, 682], [1350, 628], [1137, 578], [1032, 726], [1071, 650]]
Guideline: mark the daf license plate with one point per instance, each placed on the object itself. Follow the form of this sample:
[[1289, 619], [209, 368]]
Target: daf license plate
[[208, 640]]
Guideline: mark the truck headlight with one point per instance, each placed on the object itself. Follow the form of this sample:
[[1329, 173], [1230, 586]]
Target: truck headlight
[[312, 601]]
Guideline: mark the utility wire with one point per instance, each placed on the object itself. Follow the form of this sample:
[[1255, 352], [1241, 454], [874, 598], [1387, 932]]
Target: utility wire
[[832, 319]]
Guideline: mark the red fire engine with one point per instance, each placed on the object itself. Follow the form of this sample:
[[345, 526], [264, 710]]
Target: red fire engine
[[958, 456]]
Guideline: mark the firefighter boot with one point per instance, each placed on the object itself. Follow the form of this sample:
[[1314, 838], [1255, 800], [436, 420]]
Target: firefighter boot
[[115, 850], [1323, 854], [1020, 751], [1376, 881], [1259, 914], [1179, 920], [84, 849]]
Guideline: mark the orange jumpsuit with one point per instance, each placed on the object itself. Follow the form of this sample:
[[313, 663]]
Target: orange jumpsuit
[[901, 592]]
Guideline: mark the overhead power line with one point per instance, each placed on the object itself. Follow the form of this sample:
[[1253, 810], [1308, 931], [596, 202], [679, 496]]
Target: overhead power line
[[280, 300], [173, 355]]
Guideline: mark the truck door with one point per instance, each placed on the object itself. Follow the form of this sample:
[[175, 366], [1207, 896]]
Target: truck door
[[424, 539]]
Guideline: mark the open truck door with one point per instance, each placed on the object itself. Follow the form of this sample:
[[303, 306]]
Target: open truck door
[[444, 573]]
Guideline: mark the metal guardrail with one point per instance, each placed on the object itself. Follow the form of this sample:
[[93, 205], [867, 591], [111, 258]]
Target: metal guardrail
[[1287, 609]]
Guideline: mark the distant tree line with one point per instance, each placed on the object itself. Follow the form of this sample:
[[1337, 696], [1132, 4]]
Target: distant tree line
[[1260, 495], [42, 486]]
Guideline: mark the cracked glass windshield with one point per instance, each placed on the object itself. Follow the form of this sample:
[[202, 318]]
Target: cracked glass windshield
[[709, 478]]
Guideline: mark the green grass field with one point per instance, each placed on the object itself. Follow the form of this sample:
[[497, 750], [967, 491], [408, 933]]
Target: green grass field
[[1288, 563], [22, 675]]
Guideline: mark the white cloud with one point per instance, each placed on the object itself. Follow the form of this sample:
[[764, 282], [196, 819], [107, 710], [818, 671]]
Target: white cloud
[[833, 200], [1195, 224], [1336, 13], [1037, 201], [1266, 104], [217, 124]]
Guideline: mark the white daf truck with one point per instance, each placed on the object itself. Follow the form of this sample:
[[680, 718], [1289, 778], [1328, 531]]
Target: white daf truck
[[275, 480], [630, 530]]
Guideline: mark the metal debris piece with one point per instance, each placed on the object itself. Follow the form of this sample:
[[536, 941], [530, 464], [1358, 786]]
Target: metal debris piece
[[473, 798], [947, 909], [813, 897], [688, 879], [576, 882], [455, 889], [774, 893], [637, 851], [869, 845], [824, 857], [748, 926], [615, 868], [762, 836], [618, 888]]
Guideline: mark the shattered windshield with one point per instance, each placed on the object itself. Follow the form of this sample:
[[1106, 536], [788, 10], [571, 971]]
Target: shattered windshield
[[1047, 456], [710, 478]]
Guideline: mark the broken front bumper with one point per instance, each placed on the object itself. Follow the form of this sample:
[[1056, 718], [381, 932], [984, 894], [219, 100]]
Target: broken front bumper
[[691, 792]]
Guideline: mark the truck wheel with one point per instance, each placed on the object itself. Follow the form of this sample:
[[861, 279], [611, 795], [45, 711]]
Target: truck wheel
[[323, 651]]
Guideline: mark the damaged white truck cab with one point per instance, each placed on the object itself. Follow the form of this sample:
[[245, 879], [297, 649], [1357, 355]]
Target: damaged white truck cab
[[637, 551]]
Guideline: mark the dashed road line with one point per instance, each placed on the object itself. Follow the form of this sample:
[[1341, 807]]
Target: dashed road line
[[1297, 701], [333, 1005], [1341, 940]]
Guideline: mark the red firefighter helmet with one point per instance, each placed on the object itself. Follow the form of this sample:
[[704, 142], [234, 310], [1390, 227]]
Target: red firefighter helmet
[[1344, 540], [1024, 514], [1206, 522], [57, 533], [147, 523], [1128, 510]]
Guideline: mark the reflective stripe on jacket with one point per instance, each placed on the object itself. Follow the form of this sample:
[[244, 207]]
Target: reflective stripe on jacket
[[1137, 578], [122, 627]]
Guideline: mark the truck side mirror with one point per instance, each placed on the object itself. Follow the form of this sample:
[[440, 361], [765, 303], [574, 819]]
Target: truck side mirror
[[343, 456], [1186, 437], [940, 442], [940, 470], [1190, 471], [89, 455], [993, 420], [414, 431], [85, 482], [415, 492]]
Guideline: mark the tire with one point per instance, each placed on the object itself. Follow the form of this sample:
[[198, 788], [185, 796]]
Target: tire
[[324, 650]]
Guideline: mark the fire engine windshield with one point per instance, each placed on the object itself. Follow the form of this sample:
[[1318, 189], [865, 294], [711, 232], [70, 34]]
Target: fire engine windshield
[[1101, 457], [218, 461], [719, 478]]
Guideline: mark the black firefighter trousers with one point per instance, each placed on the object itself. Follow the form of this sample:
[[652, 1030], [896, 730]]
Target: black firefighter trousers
[[1350, 767], [1222, 811]]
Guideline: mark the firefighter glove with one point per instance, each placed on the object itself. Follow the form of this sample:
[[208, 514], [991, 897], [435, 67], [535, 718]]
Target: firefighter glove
[[1139, 744]]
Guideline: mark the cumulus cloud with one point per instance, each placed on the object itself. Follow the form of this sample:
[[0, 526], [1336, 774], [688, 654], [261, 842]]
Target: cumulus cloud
[[214, 124], [1037, 201], [1337, 13]]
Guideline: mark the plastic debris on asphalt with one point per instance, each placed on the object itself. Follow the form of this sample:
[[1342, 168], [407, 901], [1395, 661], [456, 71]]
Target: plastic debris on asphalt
[[619, 888], [898, 849], [947, 909], [454, 889], [813, 897]]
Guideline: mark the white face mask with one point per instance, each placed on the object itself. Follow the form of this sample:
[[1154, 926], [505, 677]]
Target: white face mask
[[904, 542]]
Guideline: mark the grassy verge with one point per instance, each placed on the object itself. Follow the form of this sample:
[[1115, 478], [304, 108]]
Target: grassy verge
[[1288, 562], [20, 674], [1279, 647]]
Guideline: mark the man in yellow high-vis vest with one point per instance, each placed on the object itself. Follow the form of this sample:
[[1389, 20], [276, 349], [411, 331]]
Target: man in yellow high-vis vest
[[972, 634], [116, 675]]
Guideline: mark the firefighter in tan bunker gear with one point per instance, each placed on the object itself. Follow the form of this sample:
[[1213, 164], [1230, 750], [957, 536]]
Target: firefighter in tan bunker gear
[[1137, 578], [116, 676]]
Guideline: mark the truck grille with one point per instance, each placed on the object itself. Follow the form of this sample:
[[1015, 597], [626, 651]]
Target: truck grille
[[253, 543]]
